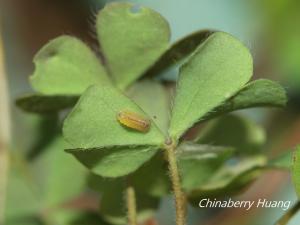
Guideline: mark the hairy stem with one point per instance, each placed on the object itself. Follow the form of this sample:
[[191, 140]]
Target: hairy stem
[[175, 179], [287, 216], [131, 204]]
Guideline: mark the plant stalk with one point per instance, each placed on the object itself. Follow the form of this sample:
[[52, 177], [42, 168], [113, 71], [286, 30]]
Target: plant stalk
[[131, 204], [4, 133], [176, 185], [287, 216]]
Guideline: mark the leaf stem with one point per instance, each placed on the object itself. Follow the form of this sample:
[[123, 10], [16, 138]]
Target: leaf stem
[[287, 216], [175, 179], [131, 204]]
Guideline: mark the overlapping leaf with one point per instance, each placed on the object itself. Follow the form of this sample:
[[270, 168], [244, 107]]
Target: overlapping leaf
[[259, 93], [244, 135], [36, 103], [197, 163], [215, 72], [231, 179], [178, 51], [234, 177]]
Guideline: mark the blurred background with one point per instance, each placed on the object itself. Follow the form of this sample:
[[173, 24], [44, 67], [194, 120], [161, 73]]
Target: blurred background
[[270, 29]]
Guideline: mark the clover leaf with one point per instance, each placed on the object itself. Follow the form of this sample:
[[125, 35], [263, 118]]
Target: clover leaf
[[66, 66], [94, 124], [105, 143], [131, 40], [217, 70]]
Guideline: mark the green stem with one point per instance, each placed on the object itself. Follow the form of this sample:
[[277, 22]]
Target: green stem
[[131, 204], [175, 179], [287, 216]]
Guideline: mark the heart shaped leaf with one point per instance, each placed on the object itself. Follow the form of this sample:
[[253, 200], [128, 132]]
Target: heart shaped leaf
[[131, 40], [216, 71], [66, 66], [93, 123]]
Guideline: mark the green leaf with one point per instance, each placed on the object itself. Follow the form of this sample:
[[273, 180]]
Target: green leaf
[[152, 97], [55, 170], [197, 163], [178, 51], [230, 179], [26, 220], [131, 40], [157, 183], [215, 72], [46, 130], [259, 93], [22, 197], [284, 161], [93, 122], [116, 161], [112, 201], [66, 66], [190, 150], [35, 103], [296, 170], [244, 135]]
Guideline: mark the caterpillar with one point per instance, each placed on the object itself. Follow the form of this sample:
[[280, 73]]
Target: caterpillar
[[134, 121]]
